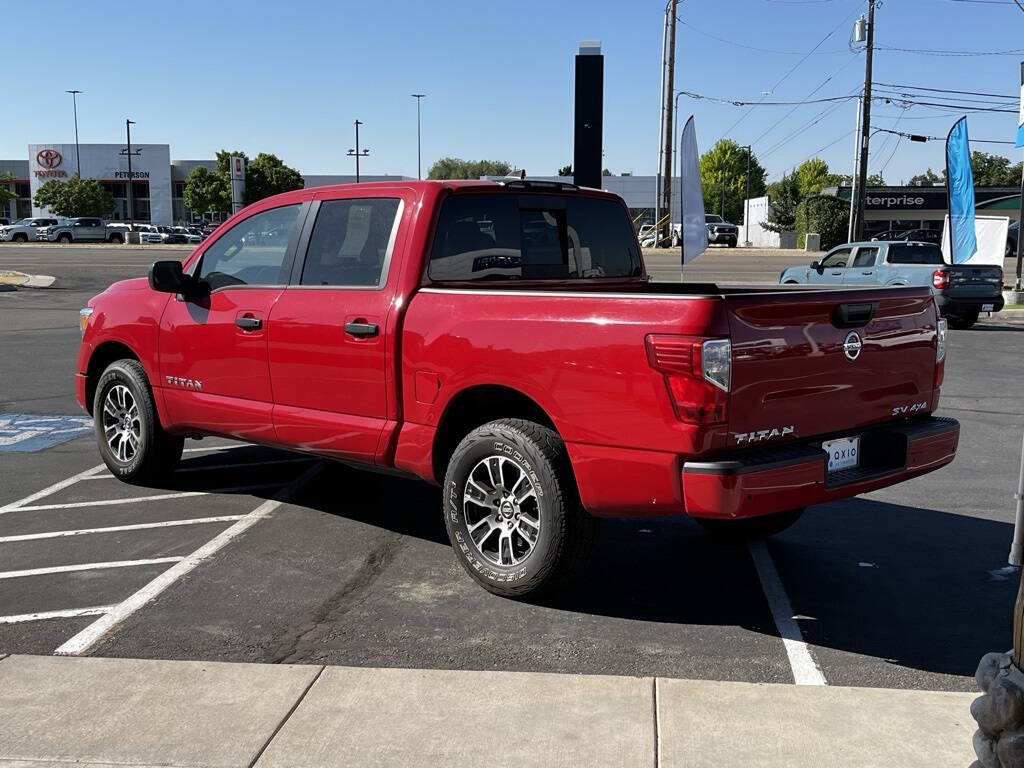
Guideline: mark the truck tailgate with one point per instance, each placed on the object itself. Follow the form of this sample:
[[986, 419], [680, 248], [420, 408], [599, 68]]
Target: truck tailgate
[[796, 368]]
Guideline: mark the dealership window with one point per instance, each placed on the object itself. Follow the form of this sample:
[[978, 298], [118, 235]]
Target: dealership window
[[22, 189], [179, 189], [140, 189]]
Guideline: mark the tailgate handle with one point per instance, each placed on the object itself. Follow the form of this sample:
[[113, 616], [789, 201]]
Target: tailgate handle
[[853, 315]]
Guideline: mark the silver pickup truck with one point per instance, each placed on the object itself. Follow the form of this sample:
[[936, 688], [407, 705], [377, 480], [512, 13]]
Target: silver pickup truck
[[84, 229], [961, 291]]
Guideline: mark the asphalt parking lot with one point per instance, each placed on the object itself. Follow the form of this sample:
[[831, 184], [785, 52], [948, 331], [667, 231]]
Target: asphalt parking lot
[[251, 554]]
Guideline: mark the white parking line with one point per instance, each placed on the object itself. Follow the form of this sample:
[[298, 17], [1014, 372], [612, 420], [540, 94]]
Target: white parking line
[[805, 669], [89, 636], [139, 499], [51, 489], [87, 567], [117, 528], [69, 613]]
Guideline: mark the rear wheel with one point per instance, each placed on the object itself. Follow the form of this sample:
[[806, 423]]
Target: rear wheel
[[20, 237], [512, 510], [64, 237], [134, 446], [964, 321], [732, 243], [117, 238], [751, 527]]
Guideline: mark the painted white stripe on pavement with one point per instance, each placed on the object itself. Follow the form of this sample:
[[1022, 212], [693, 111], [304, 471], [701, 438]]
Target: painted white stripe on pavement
[[157, 497], [116, 528], [14, 505], [89, 636], [805, 669], [87, 567], [69, 613]]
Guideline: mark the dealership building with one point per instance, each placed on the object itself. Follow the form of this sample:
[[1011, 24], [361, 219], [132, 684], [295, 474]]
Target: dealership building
[[158, 188]]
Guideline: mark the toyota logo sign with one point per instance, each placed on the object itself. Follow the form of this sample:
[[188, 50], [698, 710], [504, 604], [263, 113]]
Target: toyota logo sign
[[49, 158]]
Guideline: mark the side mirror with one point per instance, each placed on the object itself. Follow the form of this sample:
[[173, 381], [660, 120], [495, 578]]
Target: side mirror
[[814, 265], [168, 277]]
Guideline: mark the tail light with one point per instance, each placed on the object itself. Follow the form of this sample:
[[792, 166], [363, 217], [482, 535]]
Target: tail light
[[940, 279], [940, 351], [698, 375]]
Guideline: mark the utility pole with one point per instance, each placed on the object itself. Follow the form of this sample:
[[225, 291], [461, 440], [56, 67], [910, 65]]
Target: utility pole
[[669, 91], [1020, 213], [746, 203], [865, 131], [419, 151], [661, 125], [356, 153], [853, 176], [78, 156]]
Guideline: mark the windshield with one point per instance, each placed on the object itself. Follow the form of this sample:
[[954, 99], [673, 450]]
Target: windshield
[[710, 218]]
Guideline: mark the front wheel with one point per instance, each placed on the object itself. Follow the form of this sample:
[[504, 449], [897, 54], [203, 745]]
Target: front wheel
[[134, 446], [20, 237], [64, 238], [747, 528], [116, 238], [512, 510]]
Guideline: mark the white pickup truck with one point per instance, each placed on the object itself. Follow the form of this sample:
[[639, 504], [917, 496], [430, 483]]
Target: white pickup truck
[[84, 229], [24, 230]]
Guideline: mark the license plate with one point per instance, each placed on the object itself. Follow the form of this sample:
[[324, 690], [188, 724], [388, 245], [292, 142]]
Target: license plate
[[988, 307], [842, 453]]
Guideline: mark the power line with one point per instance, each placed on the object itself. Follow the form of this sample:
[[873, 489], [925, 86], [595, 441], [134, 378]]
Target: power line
[[739, 103], [754, 47], [920, 137], [949, 90], [942, 52]]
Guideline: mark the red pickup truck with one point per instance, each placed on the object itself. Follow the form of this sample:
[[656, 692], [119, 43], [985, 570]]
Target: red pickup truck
[[503, 341]]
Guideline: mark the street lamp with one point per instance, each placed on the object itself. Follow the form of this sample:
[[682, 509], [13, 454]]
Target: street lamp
[[128, 151], [355, 152], [419, 151], [746, 203], [74, 104]]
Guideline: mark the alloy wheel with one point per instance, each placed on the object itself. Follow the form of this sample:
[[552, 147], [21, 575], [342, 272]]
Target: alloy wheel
[[122, 428], [501, 511]]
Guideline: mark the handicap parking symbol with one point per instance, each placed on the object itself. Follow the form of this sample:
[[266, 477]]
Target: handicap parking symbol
[[25, 432]]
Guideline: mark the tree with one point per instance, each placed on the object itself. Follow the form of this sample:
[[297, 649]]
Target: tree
[[565, 170], [75, 197], [207, 191], [994, 170], [606, 172], [784, 199], [928, 177], [812, 175], [267, 175], [826, 215], [6, 194], [456, 168], [723, 169]]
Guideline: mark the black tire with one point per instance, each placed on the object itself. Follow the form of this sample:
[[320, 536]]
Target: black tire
[[963, 322], [732, 243], [63, 237], [564, 534], [1011, 248], [791, 282], [116, 238], [20, 237], [155, 453], [751, 527]]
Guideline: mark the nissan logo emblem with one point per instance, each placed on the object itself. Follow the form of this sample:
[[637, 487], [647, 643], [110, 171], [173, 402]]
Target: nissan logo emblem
[[852, 346], [49, 158]]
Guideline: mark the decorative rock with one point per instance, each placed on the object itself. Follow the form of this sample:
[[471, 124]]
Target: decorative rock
[[999, 740]]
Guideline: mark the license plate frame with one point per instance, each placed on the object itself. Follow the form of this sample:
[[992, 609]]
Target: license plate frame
[[988, 307], [843, 453]]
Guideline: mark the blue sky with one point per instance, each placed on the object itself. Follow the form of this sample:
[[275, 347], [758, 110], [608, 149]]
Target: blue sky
[[290, 78]]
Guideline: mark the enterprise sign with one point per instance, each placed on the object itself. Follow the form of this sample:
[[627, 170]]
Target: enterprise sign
[[896, 201]]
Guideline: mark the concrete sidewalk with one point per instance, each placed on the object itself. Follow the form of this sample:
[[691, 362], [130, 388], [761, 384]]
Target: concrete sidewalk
[[103, 712]]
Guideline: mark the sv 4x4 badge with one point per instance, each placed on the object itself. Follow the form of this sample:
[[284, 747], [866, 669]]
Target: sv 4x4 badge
[[903, 410], [762, 435]]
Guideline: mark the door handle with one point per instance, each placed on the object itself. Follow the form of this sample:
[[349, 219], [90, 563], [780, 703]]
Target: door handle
[[869, 272], [362, 330], [249, 323]]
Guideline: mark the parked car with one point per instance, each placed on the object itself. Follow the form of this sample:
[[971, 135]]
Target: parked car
[[721, 231], [962, 291], [889, 234], [182, 235], [1011, 239], [24, 230], [406, 328], [148, 234], [933, 236], [84, 229]]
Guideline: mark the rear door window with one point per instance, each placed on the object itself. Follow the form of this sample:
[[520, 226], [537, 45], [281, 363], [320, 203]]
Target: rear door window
[[351, 242], [914, 254], [865, 257], [505, 236]]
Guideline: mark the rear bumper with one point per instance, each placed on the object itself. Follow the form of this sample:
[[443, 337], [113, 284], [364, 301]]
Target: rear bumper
[[950, 305], [794, 475]]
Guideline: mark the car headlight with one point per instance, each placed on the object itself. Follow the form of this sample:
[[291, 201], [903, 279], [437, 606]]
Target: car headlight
[[83, 318]]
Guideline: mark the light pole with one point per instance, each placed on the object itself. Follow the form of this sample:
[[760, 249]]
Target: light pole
[[356, 153], [419, 150], [78, 157], [128, 151], [746, 203]]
